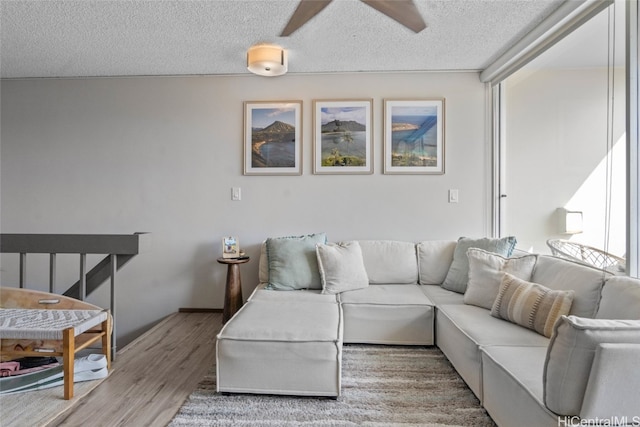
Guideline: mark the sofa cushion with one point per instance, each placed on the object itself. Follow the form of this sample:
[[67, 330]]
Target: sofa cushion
[[485, 274], [512, 383], [293, 263], [560, 274], [463, 330], [570, 355], [530, 305], [434, 260], [388, 314], [483, 329], [276, 347], [262, 293], [386, 295], [390, 262], [275, 320], [440, 296], [341, 267], [614, 381], [620, 299], [458, 274]]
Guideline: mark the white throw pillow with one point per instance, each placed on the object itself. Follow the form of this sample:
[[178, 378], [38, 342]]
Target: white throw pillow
[[341, 267], [434, 260], [570, 356], [458, 274], [485, 274]]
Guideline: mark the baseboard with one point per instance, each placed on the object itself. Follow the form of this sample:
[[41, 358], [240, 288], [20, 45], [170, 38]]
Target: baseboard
[[199, 310]]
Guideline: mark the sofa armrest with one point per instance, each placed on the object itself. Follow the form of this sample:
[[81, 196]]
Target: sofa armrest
[[614, 381]]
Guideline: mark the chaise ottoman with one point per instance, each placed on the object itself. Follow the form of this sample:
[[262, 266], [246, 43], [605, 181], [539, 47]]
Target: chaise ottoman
[[279, 347]]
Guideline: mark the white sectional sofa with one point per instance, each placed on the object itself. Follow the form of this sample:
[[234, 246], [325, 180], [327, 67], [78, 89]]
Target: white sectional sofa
[[586, 370]]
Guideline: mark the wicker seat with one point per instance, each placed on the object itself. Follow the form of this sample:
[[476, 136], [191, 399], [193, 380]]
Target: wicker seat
[[33, 323], [586, 255]]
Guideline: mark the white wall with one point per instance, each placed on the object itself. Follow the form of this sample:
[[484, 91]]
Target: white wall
[[556, 147], [161, 155]]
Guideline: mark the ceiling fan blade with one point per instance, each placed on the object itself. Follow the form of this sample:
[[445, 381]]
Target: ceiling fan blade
[[306, 10], [403, 11]]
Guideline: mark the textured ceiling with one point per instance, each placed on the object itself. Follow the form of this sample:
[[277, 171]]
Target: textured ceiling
[[129, 38]]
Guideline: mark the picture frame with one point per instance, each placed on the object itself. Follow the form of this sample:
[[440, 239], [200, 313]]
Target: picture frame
[[343, 136], [414, 140], [230, 247], [272, 138]]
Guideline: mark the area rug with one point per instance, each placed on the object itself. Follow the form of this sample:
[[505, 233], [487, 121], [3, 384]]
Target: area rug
[[381, 386]]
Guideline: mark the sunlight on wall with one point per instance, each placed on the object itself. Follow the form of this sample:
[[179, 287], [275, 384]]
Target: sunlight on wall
[[590, 198]]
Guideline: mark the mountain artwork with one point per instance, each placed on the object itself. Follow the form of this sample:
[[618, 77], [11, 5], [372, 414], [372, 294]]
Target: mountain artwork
[[273, 146], [343, 136]]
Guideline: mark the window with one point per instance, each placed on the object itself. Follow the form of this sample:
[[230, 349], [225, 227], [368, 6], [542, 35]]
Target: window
[[562, 144]]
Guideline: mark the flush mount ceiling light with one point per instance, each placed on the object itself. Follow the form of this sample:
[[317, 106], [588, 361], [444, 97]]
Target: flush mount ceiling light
[[267, 60]]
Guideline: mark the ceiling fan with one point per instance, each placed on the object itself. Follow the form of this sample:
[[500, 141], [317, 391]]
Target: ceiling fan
[[403, 11]]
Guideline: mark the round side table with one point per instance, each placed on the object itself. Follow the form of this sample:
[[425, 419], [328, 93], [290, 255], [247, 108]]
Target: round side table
[[233, 288]]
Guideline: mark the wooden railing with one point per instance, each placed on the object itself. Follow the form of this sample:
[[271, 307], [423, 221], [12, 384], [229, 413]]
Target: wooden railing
[[118, 248]]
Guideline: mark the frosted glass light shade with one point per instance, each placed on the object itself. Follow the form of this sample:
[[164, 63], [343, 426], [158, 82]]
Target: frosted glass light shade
[[267, 60]]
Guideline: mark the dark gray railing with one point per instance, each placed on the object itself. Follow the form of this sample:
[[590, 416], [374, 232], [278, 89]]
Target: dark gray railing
[[118, 248]]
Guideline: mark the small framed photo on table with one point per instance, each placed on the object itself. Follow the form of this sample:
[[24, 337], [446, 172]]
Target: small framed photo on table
[[230, 247]]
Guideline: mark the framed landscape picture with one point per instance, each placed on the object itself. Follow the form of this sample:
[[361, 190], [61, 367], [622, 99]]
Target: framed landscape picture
[[414, 136], [342, 141], [272, 138]]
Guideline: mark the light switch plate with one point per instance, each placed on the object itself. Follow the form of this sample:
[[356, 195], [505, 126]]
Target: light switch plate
[[453, 196], [236, 193]]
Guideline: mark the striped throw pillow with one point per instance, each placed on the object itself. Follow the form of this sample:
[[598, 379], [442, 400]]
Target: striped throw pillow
[[530, 305]]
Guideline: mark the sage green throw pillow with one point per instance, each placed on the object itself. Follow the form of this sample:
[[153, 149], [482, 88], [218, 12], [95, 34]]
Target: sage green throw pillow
[[458, 274], [293, 263]]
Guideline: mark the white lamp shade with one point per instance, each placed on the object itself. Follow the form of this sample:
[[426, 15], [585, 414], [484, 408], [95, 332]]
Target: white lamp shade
[[267, 60]]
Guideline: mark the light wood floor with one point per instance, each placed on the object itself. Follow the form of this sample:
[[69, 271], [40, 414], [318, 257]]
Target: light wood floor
[[152, 376]]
